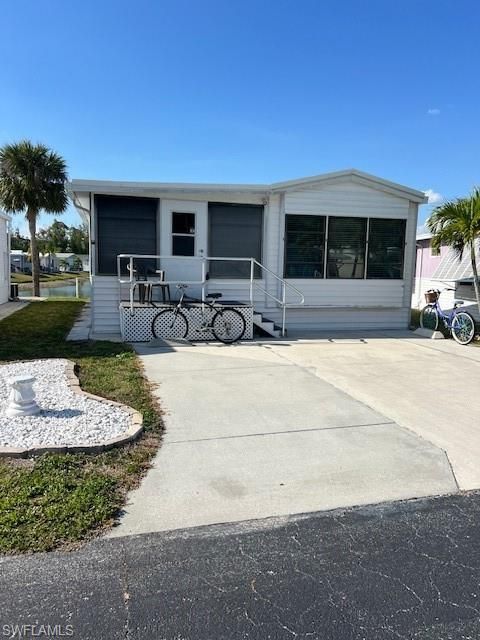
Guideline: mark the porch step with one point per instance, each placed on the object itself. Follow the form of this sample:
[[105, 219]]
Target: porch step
[[266, 325]]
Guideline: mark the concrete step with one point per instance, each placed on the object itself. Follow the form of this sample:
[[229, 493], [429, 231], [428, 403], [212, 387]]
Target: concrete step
[[266, 325]]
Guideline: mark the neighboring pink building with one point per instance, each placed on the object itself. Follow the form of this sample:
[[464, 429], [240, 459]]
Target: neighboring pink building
[[442, 270], [428, 260]]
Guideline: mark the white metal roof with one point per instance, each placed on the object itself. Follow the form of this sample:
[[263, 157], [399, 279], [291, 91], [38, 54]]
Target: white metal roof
[[451, 268], [424, 236], [126, 187]]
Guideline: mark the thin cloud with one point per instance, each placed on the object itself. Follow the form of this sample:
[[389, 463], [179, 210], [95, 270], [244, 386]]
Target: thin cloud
[[433, 196], [433, 112]]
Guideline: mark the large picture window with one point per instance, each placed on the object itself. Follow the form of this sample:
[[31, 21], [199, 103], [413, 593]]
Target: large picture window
[[304, 246], [386, 247], [346, 247], [235, 232]]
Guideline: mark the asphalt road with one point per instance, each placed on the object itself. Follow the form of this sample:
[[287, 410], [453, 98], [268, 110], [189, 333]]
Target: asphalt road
[[402, 570]]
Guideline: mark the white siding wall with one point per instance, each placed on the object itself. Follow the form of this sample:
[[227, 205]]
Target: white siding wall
[[4, 262], [358, 318], [424, 284]]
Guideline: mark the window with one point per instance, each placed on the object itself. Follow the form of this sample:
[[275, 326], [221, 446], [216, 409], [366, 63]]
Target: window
[[434, 251], [125, 225], [235, 231], [304, 246], [183, 234], [386, 245], [346, 247]]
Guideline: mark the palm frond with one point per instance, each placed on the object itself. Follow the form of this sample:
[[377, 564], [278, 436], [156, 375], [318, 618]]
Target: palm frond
[[456, 223], [32, 177]]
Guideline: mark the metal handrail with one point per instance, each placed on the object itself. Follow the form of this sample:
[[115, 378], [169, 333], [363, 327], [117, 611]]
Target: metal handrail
[[282, 302]]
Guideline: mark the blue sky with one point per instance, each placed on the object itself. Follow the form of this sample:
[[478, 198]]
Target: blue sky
[[247, 90]]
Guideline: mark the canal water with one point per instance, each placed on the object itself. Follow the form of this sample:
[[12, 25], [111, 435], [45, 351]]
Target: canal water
[[64, 290]]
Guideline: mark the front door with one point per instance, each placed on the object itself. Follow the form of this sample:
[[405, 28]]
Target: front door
[[183, 237]]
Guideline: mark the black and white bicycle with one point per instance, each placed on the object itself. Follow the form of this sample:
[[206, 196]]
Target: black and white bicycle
[[225, 323]]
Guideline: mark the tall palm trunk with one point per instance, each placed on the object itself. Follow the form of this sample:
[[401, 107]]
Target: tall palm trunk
[[32, 226], [476, 281]]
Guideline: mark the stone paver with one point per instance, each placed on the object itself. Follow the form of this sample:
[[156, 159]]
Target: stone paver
[[7, 308]]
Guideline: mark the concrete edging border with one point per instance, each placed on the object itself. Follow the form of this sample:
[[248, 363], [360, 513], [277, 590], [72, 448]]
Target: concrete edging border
[[135, 429]]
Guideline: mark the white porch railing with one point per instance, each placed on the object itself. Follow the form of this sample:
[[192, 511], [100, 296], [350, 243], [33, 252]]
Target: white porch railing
[[253, 282]]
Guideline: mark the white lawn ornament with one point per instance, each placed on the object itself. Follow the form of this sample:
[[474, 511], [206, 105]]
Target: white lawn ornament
[[21, 400]]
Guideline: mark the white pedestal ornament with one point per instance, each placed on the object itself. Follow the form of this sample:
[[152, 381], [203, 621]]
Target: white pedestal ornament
[[21, 401]]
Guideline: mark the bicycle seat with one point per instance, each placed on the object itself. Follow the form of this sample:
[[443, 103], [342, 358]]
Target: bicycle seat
[[214, 296], [458, 303]]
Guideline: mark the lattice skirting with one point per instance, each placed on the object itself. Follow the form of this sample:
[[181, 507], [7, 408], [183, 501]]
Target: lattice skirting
[[138, 327]]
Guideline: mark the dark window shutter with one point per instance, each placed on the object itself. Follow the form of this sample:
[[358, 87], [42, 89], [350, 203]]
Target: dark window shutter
[[125, 225], [235, 231]]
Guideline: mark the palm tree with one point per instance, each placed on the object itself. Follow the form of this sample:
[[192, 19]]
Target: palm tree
[[33, 178], [456, 223]]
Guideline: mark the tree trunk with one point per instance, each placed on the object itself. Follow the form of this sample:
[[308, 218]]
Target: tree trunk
[[476, 281], [32, 226]]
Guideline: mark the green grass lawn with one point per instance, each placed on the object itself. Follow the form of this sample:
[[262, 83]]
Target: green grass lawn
[[23, 278], [58, 500]]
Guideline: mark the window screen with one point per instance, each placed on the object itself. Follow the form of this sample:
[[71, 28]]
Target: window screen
[[386, 244], [235, 232], [346, 247], [125, 225], [304, 246]]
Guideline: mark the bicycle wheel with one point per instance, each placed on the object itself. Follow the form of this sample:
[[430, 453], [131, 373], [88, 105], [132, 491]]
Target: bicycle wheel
[[170, 324], [463, 327], [429, 318], [228, 325]]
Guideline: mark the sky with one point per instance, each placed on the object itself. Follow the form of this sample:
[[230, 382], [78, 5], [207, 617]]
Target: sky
[[246, 90]]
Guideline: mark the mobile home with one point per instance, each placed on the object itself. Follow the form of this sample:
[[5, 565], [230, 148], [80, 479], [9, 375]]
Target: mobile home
[[331, 251]]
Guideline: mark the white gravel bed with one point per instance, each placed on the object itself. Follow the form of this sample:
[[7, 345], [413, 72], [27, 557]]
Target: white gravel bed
[[67, 418]]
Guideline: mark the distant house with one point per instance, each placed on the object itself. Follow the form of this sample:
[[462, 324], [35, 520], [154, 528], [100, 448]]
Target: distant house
[[442, 269], [85, 258], [19, 260], [4, 259], [62, 261]]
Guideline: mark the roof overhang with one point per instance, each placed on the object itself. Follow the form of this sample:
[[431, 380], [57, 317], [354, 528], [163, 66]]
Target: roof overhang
[[156, 189], [110, 187], [424, 236]]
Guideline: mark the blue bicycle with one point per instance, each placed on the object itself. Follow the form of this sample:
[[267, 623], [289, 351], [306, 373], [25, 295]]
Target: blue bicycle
[[460, 323]]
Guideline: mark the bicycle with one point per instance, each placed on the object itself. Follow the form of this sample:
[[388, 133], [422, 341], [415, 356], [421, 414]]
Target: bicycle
[[227, 324], [460, 323]]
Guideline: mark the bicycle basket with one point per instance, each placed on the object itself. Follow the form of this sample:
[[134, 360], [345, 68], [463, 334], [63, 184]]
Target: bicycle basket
[[431, 296]]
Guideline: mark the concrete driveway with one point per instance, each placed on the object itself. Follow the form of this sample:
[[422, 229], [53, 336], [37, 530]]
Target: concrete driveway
[[261, 429], [429, 387]]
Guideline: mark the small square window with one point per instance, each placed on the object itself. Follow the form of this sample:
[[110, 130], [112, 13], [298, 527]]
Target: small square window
[[434, 251], [183, 223], [183, 246]]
